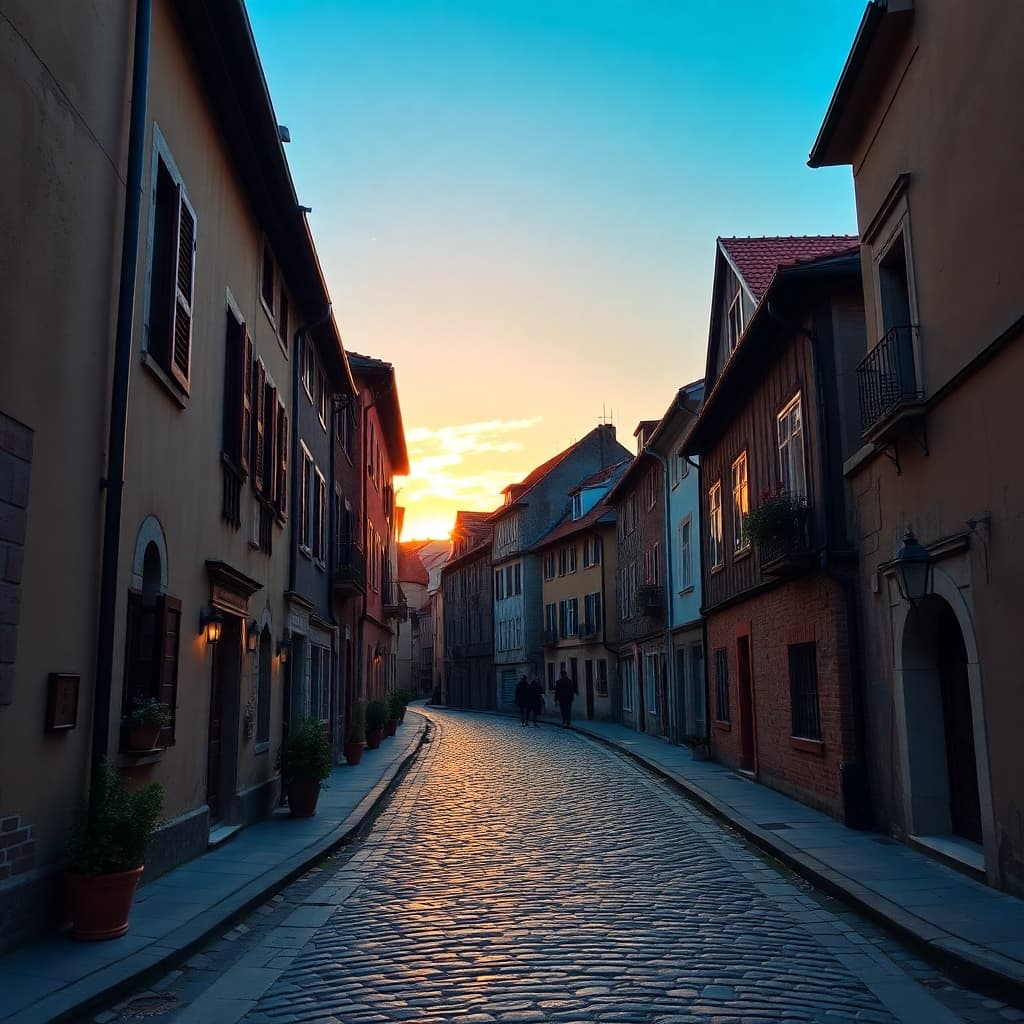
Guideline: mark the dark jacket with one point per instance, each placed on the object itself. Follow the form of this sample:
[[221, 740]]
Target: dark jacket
[[536, 696], [522, 697], [564, 690]]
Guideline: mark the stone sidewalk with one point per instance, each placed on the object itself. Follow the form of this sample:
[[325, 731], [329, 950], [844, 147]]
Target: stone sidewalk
[[59, 978], [972, 930]]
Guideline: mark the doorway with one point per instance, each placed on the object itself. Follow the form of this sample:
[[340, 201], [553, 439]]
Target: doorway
[[943, 765], [746, 703], [589, 683], [222, 738]]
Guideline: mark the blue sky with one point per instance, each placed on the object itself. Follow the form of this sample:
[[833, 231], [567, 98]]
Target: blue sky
[[516, 202]]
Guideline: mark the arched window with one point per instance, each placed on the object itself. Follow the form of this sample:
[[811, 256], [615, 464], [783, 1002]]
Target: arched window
[[152, 629]]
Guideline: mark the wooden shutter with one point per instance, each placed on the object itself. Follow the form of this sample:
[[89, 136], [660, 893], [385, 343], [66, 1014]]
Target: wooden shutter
[[259, 381], [282, 459], [245, 371], [184, 285], [168, 634], [270, 443]]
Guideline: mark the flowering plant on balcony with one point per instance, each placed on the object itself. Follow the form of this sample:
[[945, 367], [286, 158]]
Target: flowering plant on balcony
[[776, 515]]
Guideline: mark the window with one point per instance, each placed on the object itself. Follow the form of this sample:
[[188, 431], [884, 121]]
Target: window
[[627, 680], [803, 691], [592, 613], [172, 282], [572, 558], [680, 467], [549, 565], [518, 578], [740, 502], [320, 518], [321, 396], [651, 485], [509, 581], [281, 491], [716, 551], [551, 621], [722, 684], [601, 686], [735, 321], [267, 280], [577, 505], [319, 682], [568, 612], [258, 432], [651, 681], [791, 450], [655, 577], [563, 562], [499, 591], [685, 557], [271, 451], [305, 504], [308, 366], [282, 320]]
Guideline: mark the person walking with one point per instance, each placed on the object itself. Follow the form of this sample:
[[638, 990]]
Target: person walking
[[523, 700], [536, 699], [565, 690]]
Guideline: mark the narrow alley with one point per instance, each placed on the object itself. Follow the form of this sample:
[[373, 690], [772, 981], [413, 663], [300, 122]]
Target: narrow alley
[[532, 875]]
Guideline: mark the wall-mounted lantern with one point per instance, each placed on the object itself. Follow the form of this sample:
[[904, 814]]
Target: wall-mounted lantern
[[914, 569], [212, 624], [252, 637], [284, 645]]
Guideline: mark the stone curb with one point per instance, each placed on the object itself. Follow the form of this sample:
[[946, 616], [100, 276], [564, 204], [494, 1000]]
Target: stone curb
[[980, 967], [148, 964]]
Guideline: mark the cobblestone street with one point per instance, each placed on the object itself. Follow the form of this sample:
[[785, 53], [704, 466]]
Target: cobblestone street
[[530, 875]]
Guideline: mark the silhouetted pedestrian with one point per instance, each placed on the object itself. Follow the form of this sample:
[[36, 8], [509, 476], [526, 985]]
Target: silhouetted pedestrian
[[565, 690], [536, 698], [523, 700]]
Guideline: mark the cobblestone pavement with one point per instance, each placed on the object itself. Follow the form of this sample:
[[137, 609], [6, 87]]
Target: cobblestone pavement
[[529, 875]]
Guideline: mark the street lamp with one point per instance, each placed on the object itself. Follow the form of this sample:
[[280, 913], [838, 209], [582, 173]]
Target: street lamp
[[914, 568], [252, 637], [212, 624], [283, 646]]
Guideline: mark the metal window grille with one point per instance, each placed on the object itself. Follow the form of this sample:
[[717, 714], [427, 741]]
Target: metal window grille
[[803, 691]]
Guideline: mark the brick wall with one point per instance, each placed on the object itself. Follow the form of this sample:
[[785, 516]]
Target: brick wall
[[15, 464], [17, 847], [810, 609]]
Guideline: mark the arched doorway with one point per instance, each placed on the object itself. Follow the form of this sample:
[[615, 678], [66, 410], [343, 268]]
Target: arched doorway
[[940, 730]]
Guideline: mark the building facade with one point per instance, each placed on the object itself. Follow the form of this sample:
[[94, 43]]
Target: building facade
[[938, 212]]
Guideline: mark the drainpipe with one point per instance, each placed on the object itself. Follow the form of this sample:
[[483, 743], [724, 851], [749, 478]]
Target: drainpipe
[[114, 482], [673, 719], [604, 631], [703, 618], [856, 793]]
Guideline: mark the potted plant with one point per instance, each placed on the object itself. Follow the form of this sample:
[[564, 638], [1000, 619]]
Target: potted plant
[[304, 760], [147, 718], [777, 516], [394, 711], [105, 854], [376, 716], [402, 697], [355, 732], [699, 747]]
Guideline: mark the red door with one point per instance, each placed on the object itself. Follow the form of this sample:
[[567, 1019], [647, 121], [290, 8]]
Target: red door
[[746, 700]]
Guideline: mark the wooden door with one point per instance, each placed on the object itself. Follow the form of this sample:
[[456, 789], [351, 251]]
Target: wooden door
[[746, 702], [213, 752], [589, 682]]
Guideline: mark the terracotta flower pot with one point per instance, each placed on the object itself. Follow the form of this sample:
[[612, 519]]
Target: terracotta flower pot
[[100, 904], [373, 738], [302, 798], [353, 752], [143, 737], [390, 727]]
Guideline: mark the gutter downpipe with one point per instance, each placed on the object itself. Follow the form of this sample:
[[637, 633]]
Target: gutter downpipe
[[119, 392], [669, 617], [857, 812]]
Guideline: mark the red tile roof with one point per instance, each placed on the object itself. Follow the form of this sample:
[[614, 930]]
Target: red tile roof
[[757, 259], [410, 568], [600, 477]]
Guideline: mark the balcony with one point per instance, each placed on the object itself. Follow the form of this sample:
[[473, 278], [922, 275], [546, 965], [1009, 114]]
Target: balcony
[[392, 600], [787, 551], [888, 389], [650, 599], [349, 570]]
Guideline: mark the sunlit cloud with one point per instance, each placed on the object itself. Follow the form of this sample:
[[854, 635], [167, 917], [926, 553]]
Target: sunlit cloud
[[462, 466]]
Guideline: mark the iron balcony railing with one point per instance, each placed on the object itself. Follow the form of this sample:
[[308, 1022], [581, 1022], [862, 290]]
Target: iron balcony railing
[[887, 377], [349, 567], [789, 545], [392, 599]]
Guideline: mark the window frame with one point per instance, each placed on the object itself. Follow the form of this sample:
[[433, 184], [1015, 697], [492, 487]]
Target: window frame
[[723, 711], [804, 693], [716, 545], [686, 580], [306, 501], [786, 462], [735, 324], [740, 497]]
